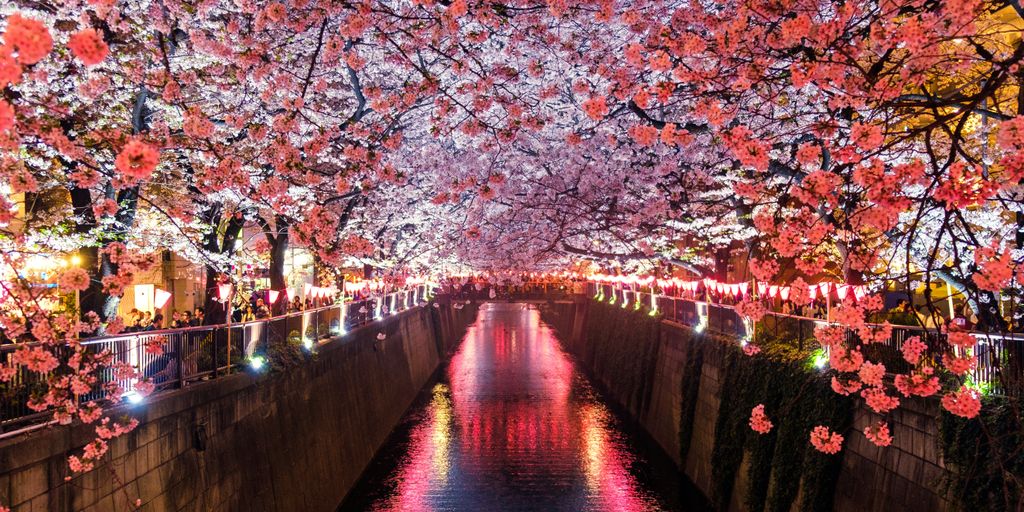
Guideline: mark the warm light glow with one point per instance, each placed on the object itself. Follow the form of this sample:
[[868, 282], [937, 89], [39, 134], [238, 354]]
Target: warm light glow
[[224, 291], [161, 297]]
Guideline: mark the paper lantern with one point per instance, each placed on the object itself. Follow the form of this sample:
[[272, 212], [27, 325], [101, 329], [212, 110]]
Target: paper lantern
[[273, 295], [825, 288], [812, 292], [859, 292], [843, 290], [160, 298], [290, 293], [773, 291], [224, 291], [307, 289], [743, 288], [784, 292]]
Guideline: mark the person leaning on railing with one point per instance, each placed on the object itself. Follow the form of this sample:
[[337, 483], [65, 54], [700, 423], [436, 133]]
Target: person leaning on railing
[[248, 315]]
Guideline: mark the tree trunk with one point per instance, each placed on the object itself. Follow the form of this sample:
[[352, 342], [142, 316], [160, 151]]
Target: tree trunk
[[278, 252]]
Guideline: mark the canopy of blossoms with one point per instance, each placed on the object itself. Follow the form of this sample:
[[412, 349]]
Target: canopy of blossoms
[[865, 141]]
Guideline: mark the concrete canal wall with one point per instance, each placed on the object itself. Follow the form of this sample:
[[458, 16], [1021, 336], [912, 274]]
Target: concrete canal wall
[[294, 440], [672, 381]]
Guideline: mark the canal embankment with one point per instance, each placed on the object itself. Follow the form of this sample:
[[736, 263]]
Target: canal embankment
[[293, 439], [693, 393]]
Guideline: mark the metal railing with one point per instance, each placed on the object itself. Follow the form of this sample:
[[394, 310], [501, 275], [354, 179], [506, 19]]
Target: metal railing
[[175, 358], [1000, 368]]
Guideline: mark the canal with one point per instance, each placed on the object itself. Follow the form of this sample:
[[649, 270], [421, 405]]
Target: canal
[[511, 424]]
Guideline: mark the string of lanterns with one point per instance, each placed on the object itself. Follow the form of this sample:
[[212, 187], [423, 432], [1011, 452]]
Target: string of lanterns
[[822, 289]]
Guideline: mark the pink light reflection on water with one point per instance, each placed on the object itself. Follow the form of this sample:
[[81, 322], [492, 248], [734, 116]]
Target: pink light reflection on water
[[516, 429]]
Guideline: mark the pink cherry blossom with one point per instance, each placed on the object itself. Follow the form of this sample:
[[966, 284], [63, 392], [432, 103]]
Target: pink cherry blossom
[[759, 421], [878, 434], [826, 441], [965, 402]]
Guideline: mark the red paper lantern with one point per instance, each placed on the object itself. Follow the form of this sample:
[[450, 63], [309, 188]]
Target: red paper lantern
[[161, 297]]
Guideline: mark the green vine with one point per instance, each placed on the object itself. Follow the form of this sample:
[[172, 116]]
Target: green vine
[[621, 348], [780, 465], [984, 456], [690, 386]]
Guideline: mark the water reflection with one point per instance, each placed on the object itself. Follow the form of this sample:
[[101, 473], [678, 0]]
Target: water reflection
[[513, 426]]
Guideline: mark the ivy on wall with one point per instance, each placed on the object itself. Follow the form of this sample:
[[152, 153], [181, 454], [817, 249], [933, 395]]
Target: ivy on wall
[[621, 348], [985, 456], [689, 387], [781, 464]]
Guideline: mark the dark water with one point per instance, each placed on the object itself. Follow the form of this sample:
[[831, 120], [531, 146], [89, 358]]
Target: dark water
[[512, 425]]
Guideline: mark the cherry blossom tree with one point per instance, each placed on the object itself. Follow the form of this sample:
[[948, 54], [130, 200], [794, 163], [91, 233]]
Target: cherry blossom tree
[[870, 142]]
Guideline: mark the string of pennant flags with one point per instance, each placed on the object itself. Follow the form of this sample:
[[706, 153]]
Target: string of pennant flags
[[823, 289]]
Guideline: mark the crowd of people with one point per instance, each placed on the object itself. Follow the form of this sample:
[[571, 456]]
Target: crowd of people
[[140, 321], [255, 308]]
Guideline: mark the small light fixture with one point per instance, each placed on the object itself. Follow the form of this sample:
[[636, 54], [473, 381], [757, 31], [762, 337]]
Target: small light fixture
[[820, 360], [133, 397], [257, 362]]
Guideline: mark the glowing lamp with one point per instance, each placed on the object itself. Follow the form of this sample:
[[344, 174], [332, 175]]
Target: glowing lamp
[[133, 397], [257, 362], [273, 295], [160, 298], [224, 291], [820, 360]]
